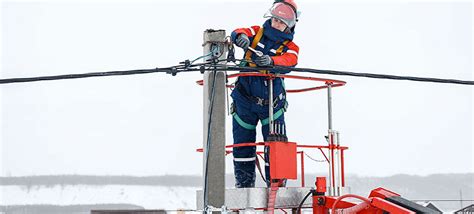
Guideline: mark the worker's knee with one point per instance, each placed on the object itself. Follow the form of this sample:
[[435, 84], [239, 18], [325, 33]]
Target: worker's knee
[[244, 152]]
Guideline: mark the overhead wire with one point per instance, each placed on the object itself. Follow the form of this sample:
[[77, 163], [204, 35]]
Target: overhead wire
[[379, 76], [368, 75], [84, 75], [187, 66]]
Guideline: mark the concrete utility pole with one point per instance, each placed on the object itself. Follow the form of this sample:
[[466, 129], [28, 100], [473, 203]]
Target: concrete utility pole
[[214, 99]]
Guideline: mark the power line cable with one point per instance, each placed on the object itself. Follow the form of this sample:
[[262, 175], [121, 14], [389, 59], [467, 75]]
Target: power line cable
[[382, 76], [368, 75], [188, 67], [84, 75]]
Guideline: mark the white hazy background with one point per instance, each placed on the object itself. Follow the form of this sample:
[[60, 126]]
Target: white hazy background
[[151, 124]]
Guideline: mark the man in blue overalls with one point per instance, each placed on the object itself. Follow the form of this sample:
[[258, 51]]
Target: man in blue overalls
[[250, 96]]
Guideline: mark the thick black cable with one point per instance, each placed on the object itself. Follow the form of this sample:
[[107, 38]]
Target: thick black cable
[[173, 70], [205, 66], [86, 75], [347, 73], [298, 211], [378, 76], [208, 142]]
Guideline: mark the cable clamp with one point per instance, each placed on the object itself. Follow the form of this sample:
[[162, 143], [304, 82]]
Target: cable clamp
[[173, 71]]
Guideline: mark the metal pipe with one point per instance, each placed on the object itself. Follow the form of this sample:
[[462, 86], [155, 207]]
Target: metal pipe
[[330, 142], [302, 168], [343, 183], [331, 163], [280, 129], [333, 180], [284, 129], [270, 106], [329, 105], [338, 156]]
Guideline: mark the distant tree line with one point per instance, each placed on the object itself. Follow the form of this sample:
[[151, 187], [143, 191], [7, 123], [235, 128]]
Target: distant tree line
[[52, 180], [67, 209]]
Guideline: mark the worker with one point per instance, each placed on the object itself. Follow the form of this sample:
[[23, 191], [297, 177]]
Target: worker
[[250, 96]]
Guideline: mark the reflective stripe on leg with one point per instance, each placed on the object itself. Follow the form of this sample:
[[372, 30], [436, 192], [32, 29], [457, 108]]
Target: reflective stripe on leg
[[244, 159]]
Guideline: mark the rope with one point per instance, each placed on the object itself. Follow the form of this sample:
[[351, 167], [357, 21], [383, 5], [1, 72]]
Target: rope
[[313, 159]]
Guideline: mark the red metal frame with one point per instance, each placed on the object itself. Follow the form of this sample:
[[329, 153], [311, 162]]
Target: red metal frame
[[267, 144], [333, 83], [302, 167], [382, 193], [301, 153], [327, 82], [375, 204]]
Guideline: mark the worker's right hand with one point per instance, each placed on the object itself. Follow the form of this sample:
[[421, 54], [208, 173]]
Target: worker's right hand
[[242, 41]]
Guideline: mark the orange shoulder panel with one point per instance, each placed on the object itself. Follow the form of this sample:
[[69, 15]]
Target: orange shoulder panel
[[288, 58], [250, 32]]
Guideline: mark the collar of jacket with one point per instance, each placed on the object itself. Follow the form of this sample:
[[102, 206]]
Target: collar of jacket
[[274, 34]]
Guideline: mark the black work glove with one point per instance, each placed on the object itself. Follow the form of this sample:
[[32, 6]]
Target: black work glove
[[242, 41], [264, 60]]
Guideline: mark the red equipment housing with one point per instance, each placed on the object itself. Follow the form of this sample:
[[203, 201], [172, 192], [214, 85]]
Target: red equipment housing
[[283, 160]]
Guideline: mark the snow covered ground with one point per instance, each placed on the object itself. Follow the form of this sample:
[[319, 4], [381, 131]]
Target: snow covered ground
[[149, 197]]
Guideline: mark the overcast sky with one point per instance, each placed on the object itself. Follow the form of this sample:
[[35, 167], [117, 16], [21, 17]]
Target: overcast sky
[[151, 124]]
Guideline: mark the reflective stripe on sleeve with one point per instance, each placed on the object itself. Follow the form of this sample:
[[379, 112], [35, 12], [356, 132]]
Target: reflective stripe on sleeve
[[253, 31], [293, 52]]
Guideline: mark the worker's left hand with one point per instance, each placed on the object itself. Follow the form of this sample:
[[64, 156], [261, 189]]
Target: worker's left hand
[[264, 60]]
